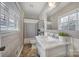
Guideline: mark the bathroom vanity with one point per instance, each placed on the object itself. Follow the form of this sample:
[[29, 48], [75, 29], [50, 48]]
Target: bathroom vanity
[[51, 47]]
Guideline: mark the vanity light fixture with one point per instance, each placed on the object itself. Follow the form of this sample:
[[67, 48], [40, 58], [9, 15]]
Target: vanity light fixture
[[51, 4]]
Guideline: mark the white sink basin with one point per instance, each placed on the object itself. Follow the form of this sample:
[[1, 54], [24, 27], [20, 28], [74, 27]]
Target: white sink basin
[[50, 39]]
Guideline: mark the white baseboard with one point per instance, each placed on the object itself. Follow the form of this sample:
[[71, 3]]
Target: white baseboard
[[20, 52]]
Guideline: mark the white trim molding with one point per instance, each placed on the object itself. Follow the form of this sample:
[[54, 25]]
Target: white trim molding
[[20, 52]]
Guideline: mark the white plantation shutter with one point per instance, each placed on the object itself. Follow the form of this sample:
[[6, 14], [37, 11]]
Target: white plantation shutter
[[4, 17], [9, 17]]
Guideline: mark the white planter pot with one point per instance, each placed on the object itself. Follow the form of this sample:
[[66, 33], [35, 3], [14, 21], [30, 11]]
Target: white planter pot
[[64, 38]]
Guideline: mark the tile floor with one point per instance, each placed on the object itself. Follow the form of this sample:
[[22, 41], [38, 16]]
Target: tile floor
[[28, 51]]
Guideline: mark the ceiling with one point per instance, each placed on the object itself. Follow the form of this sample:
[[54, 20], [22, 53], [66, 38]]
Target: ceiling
[[59, 6], [32, 10]]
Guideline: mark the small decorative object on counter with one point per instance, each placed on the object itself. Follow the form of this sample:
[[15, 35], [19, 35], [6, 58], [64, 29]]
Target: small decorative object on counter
[[64, 36]]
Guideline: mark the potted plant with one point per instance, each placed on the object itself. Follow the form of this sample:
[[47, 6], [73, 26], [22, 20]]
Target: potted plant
[[63, 36]]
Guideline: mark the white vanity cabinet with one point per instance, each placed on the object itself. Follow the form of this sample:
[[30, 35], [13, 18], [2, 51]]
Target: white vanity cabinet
[[40, 49], [51, 49]]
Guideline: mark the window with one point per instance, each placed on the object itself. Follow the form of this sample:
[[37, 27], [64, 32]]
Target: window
[[8, 19], [3, 17], [70, 21], [12, 20]]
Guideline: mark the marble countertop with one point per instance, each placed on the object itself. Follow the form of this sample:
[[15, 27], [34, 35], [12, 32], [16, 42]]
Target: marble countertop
[[46, 45]]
